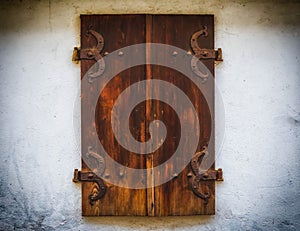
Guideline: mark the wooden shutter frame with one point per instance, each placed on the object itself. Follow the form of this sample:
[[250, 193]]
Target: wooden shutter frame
[[154, 197]]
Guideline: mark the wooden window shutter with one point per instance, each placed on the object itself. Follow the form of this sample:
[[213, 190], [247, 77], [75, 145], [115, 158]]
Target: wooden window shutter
[[188, 192]]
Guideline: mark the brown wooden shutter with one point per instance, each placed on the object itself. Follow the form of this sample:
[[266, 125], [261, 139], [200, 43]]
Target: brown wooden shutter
[[175, 197]]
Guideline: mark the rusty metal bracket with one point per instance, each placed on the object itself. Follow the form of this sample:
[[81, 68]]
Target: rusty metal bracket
[[202, 53], [97, 164], [198, 175], [91, 177], [92, 53]]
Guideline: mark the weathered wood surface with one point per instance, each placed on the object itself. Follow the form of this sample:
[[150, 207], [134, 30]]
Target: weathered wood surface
[[174, 197]]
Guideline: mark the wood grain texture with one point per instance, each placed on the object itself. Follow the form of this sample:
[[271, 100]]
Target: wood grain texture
[[176, 196], [118, 31]]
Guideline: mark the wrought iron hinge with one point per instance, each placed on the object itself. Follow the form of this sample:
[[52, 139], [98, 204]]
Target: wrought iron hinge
[[97, 163], [91, 177], [93, 53], [202, 53], [198, 175]]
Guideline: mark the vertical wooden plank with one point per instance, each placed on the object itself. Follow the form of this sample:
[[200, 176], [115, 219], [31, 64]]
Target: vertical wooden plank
[[176, 196], [118, 31]]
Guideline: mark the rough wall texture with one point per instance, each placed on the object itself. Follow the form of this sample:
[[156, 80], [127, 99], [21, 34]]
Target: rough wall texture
[[260, 85]]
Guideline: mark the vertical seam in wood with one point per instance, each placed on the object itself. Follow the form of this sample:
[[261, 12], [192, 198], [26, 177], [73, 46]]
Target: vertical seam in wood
[[149, 158]]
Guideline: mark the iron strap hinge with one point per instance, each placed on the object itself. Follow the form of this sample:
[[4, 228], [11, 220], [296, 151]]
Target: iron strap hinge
[[201, 53], [80, 176], [197, 175], [92, 53]]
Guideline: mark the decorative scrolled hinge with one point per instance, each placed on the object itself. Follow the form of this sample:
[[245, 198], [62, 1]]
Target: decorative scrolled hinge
[[80, 176], [92, 53], [202, 53], [93, 176], [198, 176]]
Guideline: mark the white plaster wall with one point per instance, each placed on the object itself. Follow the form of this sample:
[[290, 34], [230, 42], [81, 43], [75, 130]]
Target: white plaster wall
[[260, 85]]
